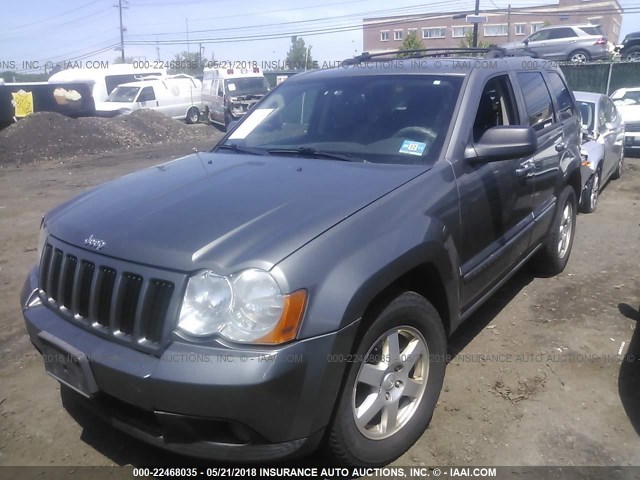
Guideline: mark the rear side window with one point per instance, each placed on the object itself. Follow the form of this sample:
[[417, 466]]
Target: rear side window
[[537, 99], [595, 30], [561, 33], [566, 107]]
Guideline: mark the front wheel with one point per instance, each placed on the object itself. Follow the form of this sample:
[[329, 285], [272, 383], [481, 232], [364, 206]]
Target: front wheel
[[590, 193], [193, 115], [633, 54], [392, 388], [555, 253]]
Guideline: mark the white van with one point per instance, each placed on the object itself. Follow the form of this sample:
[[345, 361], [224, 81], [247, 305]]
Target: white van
[[105, 80], [228, 93], [177, 96]]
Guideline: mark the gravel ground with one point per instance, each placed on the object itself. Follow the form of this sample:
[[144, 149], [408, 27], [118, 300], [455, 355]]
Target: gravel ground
[[539, 375], [51, 136]]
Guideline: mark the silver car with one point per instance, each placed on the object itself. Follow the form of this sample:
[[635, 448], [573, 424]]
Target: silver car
[[578, 43], [602, 145]]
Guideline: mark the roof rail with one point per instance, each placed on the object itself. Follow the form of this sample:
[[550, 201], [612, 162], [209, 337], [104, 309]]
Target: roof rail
[[490, 52]]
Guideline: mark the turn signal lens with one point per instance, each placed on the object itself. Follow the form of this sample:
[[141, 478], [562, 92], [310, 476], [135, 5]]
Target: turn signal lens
[[287, 328]]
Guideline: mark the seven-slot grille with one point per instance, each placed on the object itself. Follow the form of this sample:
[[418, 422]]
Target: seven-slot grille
[[119, 303]]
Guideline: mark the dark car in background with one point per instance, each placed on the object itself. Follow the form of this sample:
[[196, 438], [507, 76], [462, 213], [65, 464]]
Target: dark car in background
[[295, 287], [578, 43], [629, 49], [603, 133]]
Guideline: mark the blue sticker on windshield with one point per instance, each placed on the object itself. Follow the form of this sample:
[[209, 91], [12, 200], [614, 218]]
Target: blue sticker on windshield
[[413, 148]]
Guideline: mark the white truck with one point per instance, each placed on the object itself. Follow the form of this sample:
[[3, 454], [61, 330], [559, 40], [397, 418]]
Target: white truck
[[228, 93], [103, 81], [178, 96]]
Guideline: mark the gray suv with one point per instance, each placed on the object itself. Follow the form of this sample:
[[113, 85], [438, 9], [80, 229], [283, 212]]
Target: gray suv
[[295, 287], [580, 43]]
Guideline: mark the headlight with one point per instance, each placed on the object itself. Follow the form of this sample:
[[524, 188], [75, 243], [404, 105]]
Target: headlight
[[244, 307], [44, 233]]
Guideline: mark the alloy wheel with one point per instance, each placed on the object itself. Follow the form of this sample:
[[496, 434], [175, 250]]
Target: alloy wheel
[[595, 189], [390, 383], [566, 230]]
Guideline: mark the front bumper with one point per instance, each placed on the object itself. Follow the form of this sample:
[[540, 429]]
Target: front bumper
[[210, 402]]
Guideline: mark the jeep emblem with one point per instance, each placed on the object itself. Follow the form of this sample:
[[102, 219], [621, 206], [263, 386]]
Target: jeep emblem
[[94, 242]]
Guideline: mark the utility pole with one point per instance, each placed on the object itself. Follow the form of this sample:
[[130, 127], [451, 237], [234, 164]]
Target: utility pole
[[509, 23], [120, 7], [475, 25], [186, 21], [158, 50]]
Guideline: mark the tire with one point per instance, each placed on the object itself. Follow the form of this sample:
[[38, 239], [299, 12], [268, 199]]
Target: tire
[[193, 115], [579, 56], [552, 259], [227, 121], [207, 116], [409, 318], [633, 54], [590, 194], [618, 171]]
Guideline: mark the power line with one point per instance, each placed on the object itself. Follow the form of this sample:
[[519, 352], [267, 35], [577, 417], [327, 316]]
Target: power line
[[62, 14]]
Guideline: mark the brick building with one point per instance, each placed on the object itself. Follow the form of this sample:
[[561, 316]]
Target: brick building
[[502, 26]]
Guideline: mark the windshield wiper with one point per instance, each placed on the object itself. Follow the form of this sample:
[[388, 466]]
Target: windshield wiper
[[313, 153], [238, 149]]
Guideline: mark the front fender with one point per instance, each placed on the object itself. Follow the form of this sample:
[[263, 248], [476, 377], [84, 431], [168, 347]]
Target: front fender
[[346, 267]]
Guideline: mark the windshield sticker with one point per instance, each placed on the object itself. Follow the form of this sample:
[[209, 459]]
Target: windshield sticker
[[412, 148], [251, 122], [231, 87]]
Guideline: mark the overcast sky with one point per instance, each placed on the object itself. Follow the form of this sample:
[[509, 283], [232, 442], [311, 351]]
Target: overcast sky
[[45, 30]]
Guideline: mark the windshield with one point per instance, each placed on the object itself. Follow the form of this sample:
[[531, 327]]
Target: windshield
[[628, 98], [587, 110], [237, 87], [399, 119], [123, 94]]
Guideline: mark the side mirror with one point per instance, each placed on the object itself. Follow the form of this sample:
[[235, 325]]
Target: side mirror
[[526, 42], [503, 143]]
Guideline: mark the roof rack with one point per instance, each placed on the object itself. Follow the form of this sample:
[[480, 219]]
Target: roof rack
[[490, 52]]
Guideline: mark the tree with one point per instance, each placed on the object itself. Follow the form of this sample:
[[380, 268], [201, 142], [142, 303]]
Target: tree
[[299, 55], [411, 42], [467, 41]]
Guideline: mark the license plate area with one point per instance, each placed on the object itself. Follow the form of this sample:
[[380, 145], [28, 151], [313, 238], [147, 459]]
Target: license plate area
[[67, 365]]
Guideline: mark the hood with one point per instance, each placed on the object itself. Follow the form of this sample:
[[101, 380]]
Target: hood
[[630, 113], [222, 211], [113, 106]]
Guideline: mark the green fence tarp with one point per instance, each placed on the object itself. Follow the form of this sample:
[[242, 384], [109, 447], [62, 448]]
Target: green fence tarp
[[594, 77]]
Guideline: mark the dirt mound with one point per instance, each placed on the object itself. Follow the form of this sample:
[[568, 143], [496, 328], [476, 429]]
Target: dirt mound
[[51, 136]]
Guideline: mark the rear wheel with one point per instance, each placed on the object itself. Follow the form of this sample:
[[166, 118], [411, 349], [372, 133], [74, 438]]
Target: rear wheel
[[392, 388], [618, 171], [555, 253], [591, 192], [193, 115], [579, 56], [633, 54]]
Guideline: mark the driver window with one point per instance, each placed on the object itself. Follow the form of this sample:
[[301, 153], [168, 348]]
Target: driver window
[[146, 95], [496, 106]]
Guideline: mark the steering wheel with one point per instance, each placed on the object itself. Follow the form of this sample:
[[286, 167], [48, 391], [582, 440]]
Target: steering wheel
[[417, 134]]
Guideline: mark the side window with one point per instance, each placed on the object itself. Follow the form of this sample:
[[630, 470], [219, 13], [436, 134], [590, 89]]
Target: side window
[[538, 36], [561, 33], [496, 106], [566, 107], [146, 95], [537, 99]]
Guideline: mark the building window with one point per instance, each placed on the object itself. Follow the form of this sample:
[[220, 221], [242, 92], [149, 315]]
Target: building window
[[384, 36], [496, 30], [520, 29], [436, 32], [536, 26], [397, 35], [459, 32], [564, 17], [595, 20]]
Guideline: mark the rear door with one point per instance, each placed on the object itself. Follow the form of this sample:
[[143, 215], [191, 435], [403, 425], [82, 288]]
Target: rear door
[[540, 115], [538, 43]]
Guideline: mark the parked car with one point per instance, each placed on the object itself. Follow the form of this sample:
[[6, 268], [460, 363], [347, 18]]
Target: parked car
[[104, 80], [177, 96], [603, 145], [229, 93], [627, 101], [629, 49], [579, 43], [296, 286]]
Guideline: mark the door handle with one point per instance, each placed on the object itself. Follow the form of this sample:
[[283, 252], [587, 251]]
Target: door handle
[[525, 170], [560, 146]]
